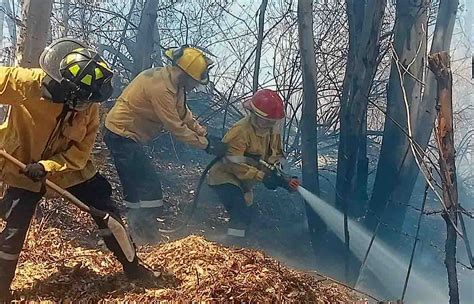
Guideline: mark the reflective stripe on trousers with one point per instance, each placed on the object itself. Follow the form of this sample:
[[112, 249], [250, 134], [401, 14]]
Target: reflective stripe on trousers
[[9, 256], [144, 204], [236, 232]]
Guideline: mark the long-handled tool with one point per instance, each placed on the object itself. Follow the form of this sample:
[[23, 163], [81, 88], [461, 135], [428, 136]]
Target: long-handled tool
[[115, 225]]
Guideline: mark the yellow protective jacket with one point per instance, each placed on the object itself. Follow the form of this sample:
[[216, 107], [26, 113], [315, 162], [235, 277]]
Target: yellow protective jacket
[[151, 103], [32, 121], [246, 140]]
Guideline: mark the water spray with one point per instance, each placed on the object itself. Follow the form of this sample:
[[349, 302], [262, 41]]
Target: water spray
[[389, 268], [383, 262]]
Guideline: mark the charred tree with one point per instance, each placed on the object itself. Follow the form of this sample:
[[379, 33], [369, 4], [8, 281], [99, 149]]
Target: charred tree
[[390, 193], [355, 14], [308, 116], [423, 115], [65, 18], [34, 34], [144, 46], [358, 82], [362, 172], [116, 51], [426, 111], [258, 50], [353, 115], [156, 57], [440, 65]]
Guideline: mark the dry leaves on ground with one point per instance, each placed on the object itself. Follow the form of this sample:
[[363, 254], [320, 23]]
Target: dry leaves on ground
[[54, 268]]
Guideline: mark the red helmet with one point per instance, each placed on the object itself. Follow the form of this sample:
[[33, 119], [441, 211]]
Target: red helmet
[[267, 104]]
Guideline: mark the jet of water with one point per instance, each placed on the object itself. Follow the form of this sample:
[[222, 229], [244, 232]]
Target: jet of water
[[389, 268]]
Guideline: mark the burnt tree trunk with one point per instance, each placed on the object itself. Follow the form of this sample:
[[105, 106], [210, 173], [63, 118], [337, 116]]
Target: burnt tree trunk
[[355, 18], [353, 116], [65, 18], [143, 49], [424, 111], [116, 51], [423, 115], [442, 37], [355, 15], [34, 35], [391, 193], [308, 116], [362, 172], [440, 65], [258, 50], [156, 56]]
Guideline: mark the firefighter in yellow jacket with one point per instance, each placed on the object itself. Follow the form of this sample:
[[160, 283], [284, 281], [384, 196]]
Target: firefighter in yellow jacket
[[254, 155], [153, 101], [52, 126]]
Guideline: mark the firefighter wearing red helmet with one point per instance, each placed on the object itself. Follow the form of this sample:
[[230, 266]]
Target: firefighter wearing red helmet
[[267, 105], [254, 151]]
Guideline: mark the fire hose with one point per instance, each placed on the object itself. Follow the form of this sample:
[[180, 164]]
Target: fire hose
[[194, 203], [277, 170]]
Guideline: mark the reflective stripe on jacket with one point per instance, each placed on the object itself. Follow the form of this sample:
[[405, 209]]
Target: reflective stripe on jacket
[[245, 140], [33, 121]]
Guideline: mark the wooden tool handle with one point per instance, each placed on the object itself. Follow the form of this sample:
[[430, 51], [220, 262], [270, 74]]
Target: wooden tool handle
[[64, 193]]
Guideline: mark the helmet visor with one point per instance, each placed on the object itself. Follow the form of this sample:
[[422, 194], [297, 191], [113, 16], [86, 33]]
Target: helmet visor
[[52, 55]]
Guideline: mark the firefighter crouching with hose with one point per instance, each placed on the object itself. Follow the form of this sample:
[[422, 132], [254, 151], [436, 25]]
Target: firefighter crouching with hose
[[52, 125], [155, 101], [254, 154]]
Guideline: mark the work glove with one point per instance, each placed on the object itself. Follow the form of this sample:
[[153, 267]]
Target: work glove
[[215, 146], [292, 184], [271, 180], [201, 130], [35, 171]]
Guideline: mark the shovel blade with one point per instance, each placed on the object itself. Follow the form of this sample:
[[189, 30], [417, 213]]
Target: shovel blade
[[122, 237]]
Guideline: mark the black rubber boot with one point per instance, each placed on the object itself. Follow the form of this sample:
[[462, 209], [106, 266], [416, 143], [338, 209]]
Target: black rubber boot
[[143, 225], [5, 295], [7, 272]]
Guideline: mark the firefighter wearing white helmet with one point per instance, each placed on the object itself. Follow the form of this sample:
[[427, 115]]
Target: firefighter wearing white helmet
[[154, 101], [52, 126]]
